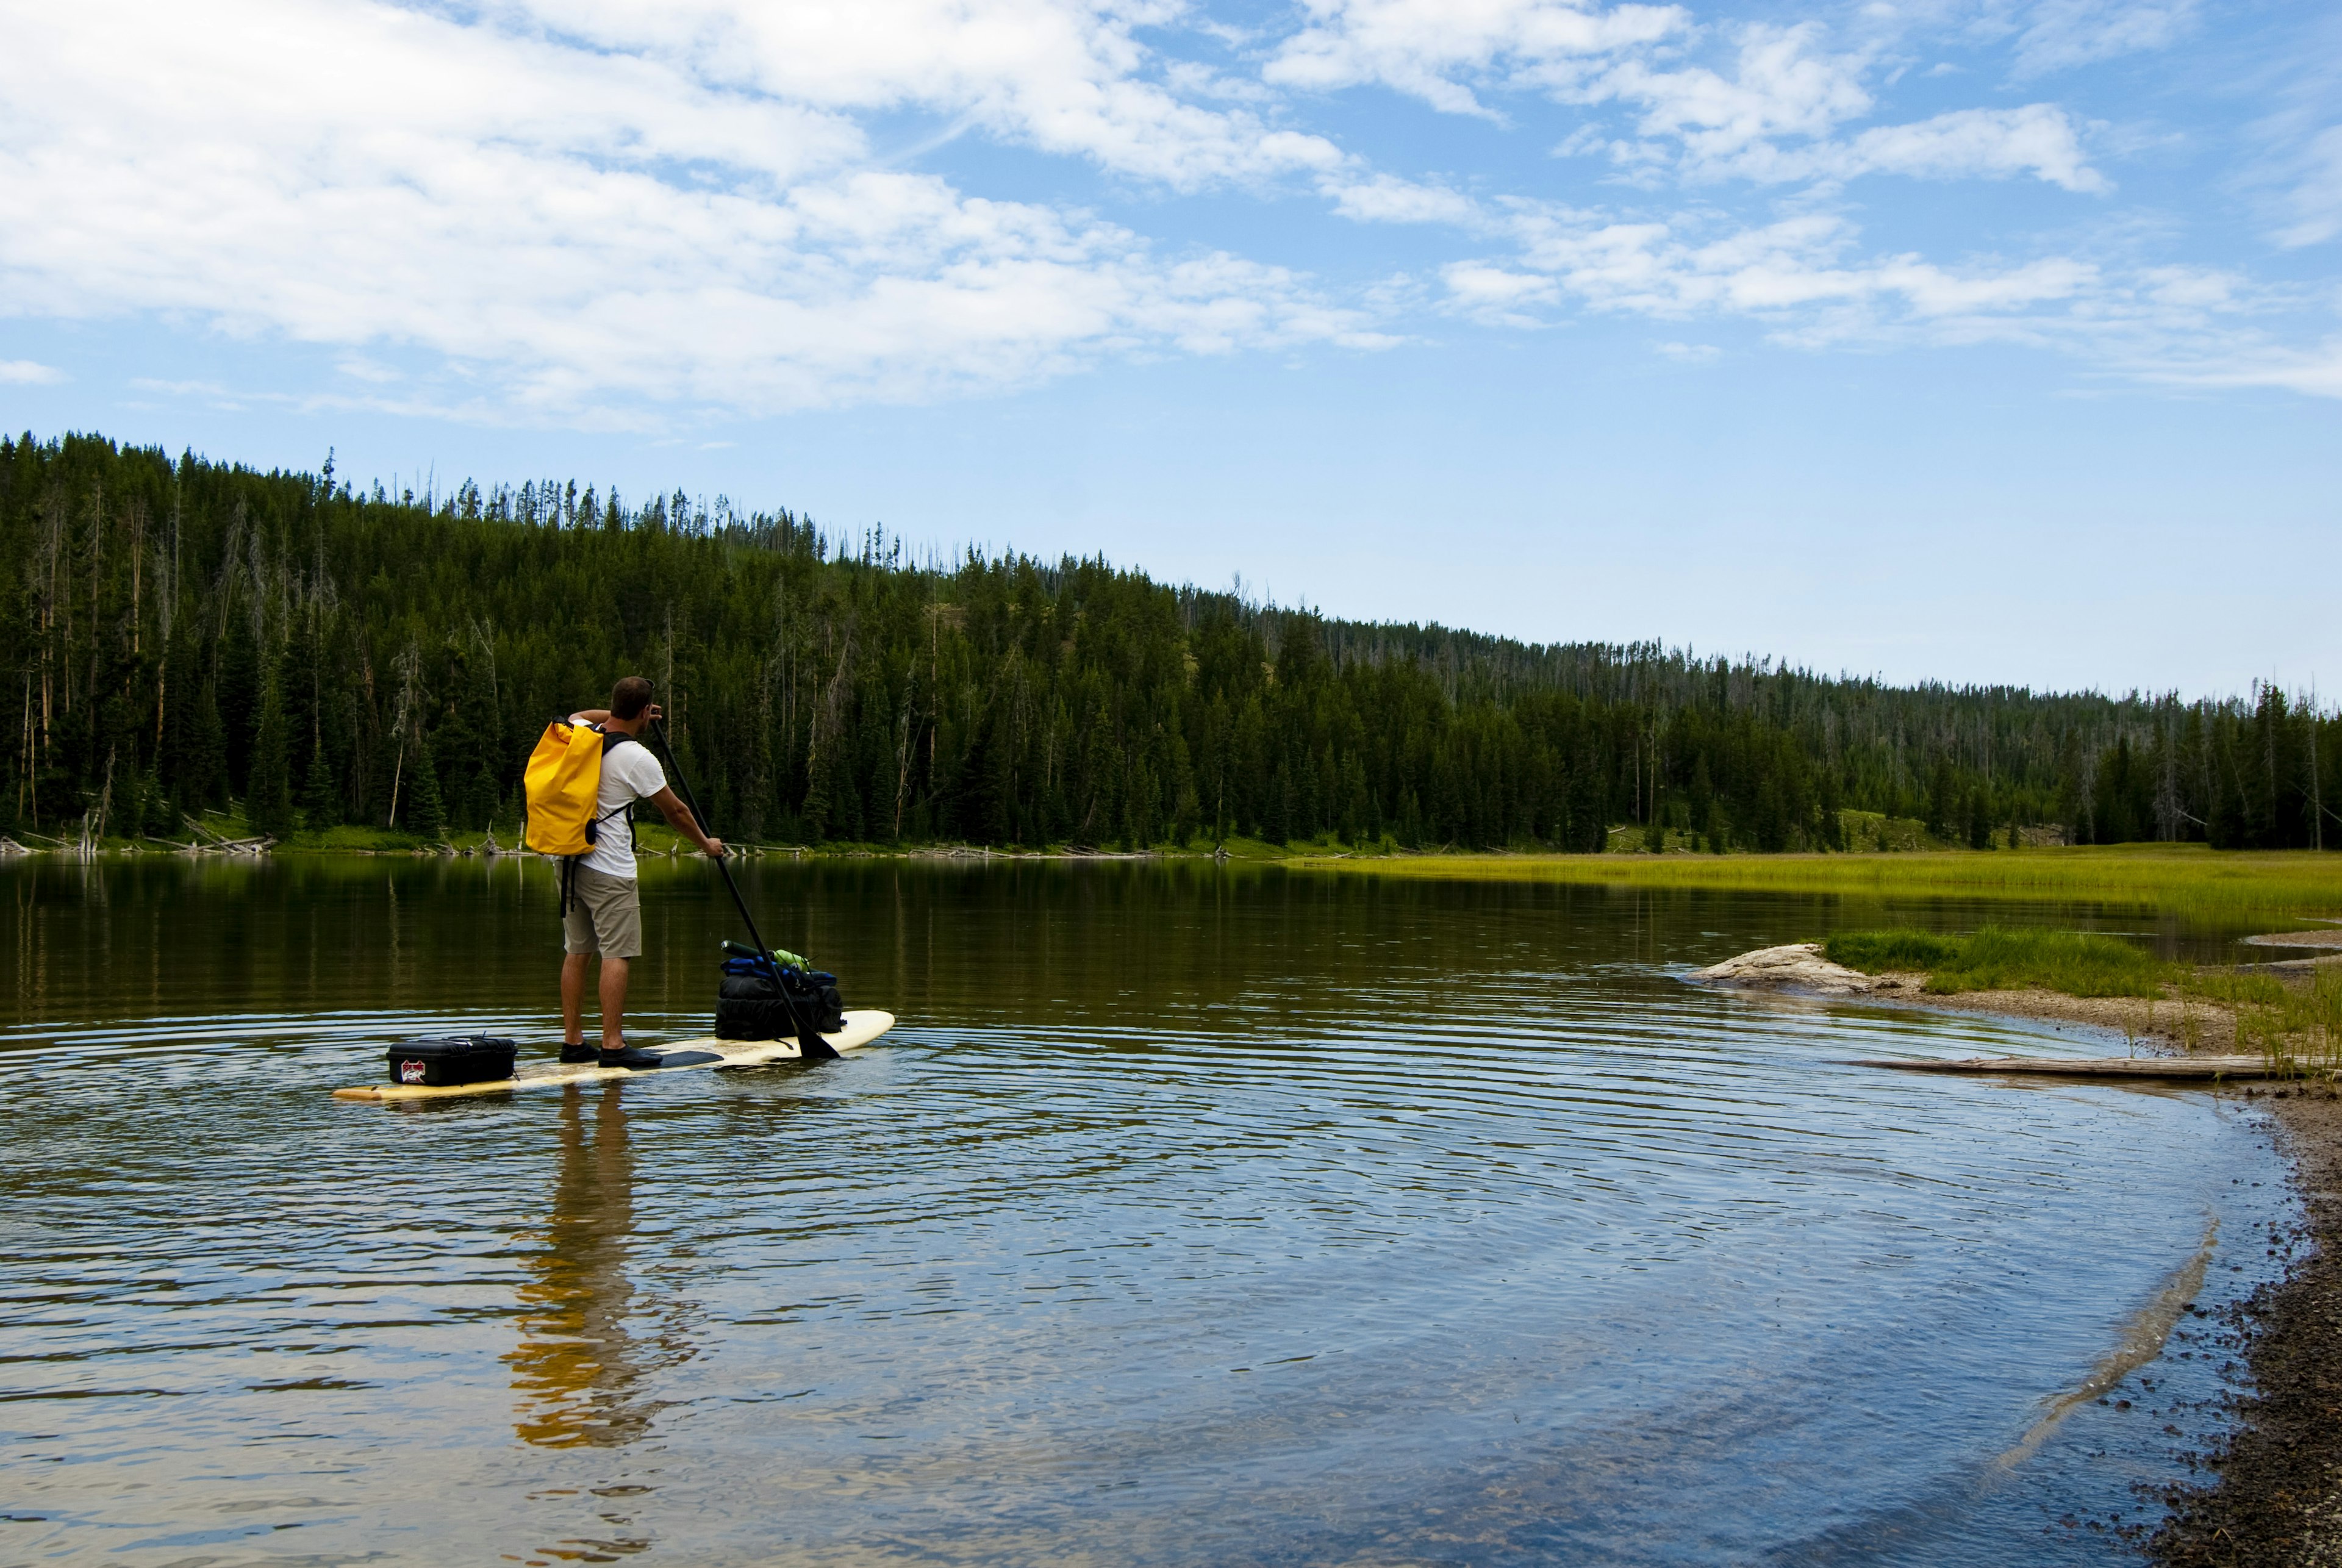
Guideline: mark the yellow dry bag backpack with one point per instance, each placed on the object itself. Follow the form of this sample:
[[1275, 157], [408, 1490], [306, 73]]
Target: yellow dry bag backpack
[[561, 782]]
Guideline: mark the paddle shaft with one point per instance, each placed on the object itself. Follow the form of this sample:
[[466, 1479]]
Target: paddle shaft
[[809, 1040], [691, 799]]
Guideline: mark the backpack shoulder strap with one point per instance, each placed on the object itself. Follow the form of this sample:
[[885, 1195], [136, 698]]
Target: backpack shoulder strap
[[611, 741]]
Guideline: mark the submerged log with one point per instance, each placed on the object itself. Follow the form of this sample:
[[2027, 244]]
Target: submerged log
[[2166, 1067]]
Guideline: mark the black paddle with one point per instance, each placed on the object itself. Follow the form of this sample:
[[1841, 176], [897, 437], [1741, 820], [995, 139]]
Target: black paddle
[[810, 1044]]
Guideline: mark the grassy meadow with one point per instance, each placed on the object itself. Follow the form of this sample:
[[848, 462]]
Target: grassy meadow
[[2180, 879]]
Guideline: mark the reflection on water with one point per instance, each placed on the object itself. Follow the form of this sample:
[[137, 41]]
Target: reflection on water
[[577, 1372], [1190, 1217]]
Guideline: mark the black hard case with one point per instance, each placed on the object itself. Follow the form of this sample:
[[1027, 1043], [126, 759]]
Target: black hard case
[[442, 1060]]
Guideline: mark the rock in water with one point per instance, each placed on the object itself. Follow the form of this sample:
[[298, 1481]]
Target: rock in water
[[1800, 965]]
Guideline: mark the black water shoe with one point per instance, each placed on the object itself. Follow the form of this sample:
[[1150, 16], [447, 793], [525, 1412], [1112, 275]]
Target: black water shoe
[[579, 1053], [631, 1056]]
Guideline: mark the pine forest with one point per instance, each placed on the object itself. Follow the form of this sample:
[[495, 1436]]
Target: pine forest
[[190, 636]]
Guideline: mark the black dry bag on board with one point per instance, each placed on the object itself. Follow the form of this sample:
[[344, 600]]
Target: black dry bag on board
[[754, 1001]]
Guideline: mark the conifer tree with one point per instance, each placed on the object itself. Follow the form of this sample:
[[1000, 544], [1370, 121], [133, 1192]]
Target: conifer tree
[[268, 804], [816, 811], [203, 774], [159, 820], [1942, 788], [321, 804], [1277, 824], [424, 812]]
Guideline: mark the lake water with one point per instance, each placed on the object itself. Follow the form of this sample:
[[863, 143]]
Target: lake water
[[1188, 1217]]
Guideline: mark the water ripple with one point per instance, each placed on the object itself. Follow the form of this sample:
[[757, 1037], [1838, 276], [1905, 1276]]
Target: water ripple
[[1221, 1224]]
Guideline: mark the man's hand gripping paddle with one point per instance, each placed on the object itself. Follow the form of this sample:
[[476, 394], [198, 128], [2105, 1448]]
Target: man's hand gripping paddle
[[810, 1044]]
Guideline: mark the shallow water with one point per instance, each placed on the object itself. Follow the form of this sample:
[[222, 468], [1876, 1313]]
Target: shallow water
[[1189, 1217]]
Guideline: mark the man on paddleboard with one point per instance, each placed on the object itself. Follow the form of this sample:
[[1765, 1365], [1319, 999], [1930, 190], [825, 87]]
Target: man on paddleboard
[[605, 916]]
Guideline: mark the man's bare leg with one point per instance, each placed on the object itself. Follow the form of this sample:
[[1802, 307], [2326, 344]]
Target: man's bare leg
[[573, 998], [613, 1003]]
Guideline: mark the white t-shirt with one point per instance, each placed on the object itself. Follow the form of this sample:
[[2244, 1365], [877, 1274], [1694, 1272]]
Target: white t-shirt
[[629, 773]]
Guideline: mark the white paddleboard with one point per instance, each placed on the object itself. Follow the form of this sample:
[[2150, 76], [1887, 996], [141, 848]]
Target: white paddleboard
[[682, 1056]]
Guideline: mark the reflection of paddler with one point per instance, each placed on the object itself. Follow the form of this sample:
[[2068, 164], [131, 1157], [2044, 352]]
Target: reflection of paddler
[[575, 1370]]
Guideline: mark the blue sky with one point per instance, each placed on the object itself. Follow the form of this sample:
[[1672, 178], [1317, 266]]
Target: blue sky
[[1975, 340]]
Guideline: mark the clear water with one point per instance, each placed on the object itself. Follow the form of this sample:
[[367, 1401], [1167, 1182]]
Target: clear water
[[1189, 1217]]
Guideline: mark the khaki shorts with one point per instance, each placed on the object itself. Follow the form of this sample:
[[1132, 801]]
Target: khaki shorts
[[604, 916]]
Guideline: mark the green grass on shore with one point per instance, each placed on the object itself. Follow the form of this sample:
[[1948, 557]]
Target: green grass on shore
[[1998, 958], [2300, 1023], [2178, 878]]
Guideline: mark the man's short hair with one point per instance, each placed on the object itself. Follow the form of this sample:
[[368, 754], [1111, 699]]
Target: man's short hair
[[629, 697]]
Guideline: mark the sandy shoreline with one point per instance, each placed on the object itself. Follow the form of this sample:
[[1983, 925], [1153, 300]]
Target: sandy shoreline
[[2158, 1027], [2277, 1493]]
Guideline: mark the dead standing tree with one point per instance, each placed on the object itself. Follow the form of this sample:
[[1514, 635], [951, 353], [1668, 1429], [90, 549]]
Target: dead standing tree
[[406, 709]]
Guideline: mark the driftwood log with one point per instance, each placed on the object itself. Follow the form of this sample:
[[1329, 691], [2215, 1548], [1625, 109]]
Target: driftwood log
[[2200, 1068]]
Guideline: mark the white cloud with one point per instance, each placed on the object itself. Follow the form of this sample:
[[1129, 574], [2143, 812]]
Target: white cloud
[[2039, 139], [2059, 33], [1798, 273], [27, 372], [181, 388], [1769, 115], [1782, 89], [1773, 118], [2192, 290], [571, 226], [1385, 198], [1498, 294], [1421, 47], [1806, 281], [2315, 203], [1065, 76], [594, 210], [1780, 86], [2312, 372]]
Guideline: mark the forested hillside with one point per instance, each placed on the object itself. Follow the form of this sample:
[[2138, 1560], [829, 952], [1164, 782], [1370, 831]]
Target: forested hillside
[[183, 633]]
